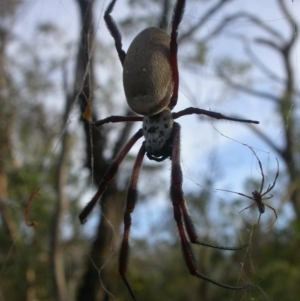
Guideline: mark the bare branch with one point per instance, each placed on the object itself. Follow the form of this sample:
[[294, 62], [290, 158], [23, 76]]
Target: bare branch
[[260, 65], [266, 42], [266, 139], [247, 18], [244, 89], [186, 35], [289, 17], [57, 256]]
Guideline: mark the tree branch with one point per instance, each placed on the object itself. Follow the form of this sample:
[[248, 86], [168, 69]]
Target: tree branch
[[249, 18], [245, 89], [260, 65], [266, 139], [186, 35]]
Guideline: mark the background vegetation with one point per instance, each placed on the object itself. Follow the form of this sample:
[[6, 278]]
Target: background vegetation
[[46, 83]]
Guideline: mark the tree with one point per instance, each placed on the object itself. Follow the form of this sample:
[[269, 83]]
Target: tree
[[284, 95]]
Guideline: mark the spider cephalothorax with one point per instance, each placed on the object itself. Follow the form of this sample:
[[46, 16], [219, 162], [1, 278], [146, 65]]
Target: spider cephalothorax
[[157, 130], [257, 196], [151, 81]]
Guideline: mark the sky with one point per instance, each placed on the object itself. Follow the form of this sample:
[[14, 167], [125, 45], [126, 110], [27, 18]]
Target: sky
[[197, 89]]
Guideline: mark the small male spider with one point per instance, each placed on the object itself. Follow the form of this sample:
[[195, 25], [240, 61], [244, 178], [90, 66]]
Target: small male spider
[[151, 81], [258, 196]]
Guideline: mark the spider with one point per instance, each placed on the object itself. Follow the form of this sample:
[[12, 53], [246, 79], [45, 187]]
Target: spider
[[151, 81], [258, 196]]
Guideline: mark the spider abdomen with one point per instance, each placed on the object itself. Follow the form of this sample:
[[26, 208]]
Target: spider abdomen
[[147, 73]]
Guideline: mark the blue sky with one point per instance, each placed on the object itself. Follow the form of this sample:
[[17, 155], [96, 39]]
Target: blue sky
[[198, 88]]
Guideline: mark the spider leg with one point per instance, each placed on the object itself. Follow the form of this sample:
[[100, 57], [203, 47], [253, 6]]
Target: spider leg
[[114, 31], [176, 19], [110, 173], [130, 204], [261, 171], [274, 182], [247, 196], [190, 229], [259, 218], [178, 201], [269, 197], [247, 207], [115, 119], [190, 111], [275, 213]]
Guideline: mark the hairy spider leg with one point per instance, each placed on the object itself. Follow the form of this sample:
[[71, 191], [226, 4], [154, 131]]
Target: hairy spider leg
[[131, 199], [176, 19], [191, 232], [190, 111], [178, 204], [109, 175], [115, 119], [114, 31], [175, 115]]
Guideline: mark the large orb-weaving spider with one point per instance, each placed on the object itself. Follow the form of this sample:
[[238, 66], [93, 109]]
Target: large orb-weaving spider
[[151, 81]]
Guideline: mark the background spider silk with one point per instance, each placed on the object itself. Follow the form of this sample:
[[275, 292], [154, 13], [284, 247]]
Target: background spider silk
[[197, 88], [209, 159]]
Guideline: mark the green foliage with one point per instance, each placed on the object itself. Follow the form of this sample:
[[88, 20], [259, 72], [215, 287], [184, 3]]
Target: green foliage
[[25, 257]]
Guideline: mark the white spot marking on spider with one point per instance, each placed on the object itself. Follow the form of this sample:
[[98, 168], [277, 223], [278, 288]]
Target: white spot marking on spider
[[144, 69], [157, 130]]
